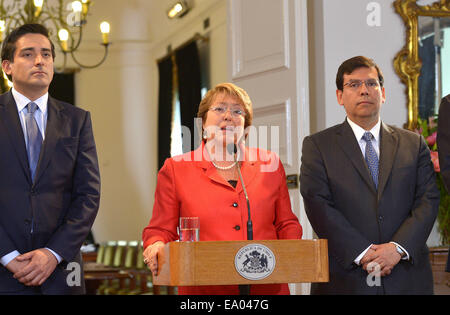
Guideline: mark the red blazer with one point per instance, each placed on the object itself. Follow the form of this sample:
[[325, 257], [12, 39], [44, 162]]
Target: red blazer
[[188, 187]]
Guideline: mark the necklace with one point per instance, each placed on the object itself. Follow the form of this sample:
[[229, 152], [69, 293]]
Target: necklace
[[224, 168]]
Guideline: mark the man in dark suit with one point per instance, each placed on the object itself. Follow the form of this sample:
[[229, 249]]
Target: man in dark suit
[[370, 189], [443, 142], [49, 176]]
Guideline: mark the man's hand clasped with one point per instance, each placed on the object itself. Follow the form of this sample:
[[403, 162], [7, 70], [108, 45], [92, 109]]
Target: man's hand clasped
[[383, 257], [33, 268]]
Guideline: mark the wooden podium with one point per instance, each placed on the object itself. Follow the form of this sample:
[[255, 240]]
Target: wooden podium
[[213, 262]]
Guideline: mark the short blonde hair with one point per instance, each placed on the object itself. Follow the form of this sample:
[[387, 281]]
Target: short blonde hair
[[228, 89]]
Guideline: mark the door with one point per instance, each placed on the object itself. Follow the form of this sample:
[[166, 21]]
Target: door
[[268, 58]]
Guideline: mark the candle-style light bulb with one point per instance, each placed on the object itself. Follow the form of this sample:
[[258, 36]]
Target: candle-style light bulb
[[63, 35], [77, 6], [85, 4], [105, 28], [177, 8], [38, 5]]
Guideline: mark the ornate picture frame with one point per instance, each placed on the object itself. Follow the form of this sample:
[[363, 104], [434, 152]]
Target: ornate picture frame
[[407, 63]]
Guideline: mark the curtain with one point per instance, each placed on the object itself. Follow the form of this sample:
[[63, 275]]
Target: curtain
[[427, 84], [164, 109], [189, 89]]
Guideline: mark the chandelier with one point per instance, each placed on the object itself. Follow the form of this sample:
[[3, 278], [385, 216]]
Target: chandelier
[[64, 20]]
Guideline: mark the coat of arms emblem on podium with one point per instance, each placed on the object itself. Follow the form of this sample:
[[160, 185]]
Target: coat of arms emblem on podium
[[254, 262]]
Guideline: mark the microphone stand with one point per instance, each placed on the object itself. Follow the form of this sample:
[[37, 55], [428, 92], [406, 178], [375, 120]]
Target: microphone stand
[[244, 289], [249, 222]]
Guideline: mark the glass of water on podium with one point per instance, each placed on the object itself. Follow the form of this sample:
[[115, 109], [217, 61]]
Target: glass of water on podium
[[189, 229]]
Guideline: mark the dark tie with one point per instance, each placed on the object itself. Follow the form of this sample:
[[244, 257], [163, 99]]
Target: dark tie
[[34, 138], [371, 157]]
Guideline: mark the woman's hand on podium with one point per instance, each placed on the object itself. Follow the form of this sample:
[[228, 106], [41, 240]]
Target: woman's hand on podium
[[151, 254]]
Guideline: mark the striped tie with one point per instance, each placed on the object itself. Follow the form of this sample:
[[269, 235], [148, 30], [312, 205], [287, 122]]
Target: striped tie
[[371, 157], [34, 138]]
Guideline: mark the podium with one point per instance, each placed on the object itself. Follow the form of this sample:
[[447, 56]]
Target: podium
[[238, 262]]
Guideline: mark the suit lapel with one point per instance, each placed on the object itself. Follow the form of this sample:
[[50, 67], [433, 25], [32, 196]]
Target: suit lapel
[[55, 124], [348, 143], [388, 151], [11, 121]]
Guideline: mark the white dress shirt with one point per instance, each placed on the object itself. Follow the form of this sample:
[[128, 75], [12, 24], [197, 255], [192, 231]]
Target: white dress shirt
[[40, 115], [359, 133]]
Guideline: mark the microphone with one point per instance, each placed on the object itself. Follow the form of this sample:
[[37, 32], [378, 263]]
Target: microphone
[[232, 149]]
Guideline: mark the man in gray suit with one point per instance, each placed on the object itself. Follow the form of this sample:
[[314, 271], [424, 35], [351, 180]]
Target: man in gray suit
[[370, 189]]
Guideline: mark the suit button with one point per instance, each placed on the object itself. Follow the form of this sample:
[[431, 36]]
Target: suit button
[[235, 205], [237, 227]]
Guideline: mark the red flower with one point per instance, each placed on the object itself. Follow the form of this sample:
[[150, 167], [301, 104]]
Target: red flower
[[435, 160], [418, 131], [431, 140]]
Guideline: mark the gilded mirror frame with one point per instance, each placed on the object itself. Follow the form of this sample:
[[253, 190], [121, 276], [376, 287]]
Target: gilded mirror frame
[[407, 63]]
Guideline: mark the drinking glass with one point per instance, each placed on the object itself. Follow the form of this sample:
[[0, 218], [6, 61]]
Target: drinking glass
[[189, 229]]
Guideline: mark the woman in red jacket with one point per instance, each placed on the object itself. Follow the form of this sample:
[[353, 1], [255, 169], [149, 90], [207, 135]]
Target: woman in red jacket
[[205, 183]]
